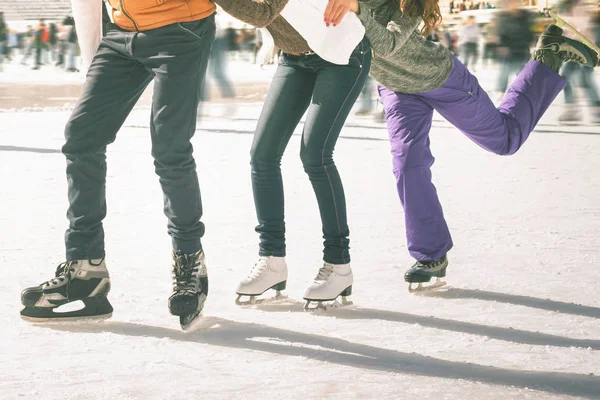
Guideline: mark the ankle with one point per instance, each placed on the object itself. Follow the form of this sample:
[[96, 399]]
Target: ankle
[[549, 58]]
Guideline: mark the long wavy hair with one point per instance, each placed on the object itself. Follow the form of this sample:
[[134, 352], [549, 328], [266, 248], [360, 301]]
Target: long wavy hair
[[428, 10]]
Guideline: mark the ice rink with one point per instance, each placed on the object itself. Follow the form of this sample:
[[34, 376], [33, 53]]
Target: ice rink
[[520, 318]]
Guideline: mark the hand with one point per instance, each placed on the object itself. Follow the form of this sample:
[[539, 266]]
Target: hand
[[337, 9]]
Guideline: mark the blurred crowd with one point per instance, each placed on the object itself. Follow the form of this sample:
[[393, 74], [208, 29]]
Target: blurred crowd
[[503, 42], [42, 43], [487, 36]]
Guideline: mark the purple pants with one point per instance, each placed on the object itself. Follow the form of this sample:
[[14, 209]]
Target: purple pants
[[466, 105]]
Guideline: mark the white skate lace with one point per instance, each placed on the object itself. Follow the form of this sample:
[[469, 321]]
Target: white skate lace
[[63, 273], [574, 57], [324, 273], [259, 268], [569, 55], [184, 273]]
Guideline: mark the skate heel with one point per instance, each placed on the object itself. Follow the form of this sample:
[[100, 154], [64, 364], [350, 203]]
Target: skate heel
[[95, 308], [441, 273], [253, 300], [347, 291], [184, 306], [98, 304], [422, 272]]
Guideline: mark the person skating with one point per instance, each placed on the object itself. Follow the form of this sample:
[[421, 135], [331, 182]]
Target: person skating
[[172, 43], [303, 82], [416, 77]]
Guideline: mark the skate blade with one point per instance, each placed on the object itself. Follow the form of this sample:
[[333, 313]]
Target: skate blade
[[421, 289], [561, 23], [324, 305], [254, 301], [189, 322], [94, 308], [62, 320]]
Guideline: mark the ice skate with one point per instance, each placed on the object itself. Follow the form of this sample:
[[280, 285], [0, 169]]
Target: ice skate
[[332, 281], [561, 23], [268, 273], [84, 280], [422, 272], [190, 287], [553, 49]]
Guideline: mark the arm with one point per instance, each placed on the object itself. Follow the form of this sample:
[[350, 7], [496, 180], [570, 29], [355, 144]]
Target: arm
[[88, 19], [390, 39], [259, 14], [337, 9]]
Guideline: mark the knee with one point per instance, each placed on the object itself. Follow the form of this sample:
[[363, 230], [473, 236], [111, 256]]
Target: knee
[[315, 159], [407, 156], [79, 139], [261, 158], [173, 157]]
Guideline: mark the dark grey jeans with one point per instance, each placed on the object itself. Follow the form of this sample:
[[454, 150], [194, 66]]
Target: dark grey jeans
[[328, 92], [175, 57]]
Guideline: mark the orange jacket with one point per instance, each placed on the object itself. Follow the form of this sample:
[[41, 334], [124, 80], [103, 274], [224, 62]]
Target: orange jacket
[[143, 15]]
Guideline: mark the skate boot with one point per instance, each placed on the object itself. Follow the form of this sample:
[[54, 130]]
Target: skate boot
[[85, 280], [553, 49], [332, 281], [190, 287], [561, 23], [422, 272], [268, 273]]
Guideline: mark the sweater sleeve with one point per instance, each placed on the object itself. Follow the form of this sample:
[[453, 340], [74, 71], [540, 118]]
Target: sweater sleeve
[[88, 20], [256, 13], [387, 40]]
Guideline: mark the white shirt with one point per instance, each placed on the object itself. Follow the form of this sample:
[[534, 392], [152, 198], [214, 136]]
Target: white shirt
[[332, 43], [88, 20]]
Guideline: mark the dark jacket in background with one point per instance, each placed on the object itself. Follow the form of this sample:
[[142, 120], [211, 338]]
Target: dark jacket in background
[[514, 30]]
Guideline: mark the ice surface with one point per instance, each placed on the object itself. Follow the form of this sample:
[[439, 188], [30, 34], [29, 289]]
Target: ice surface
[[521, 319]]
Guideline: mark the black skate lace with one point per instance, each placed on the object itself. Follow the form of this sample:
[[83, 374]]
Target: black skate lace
[[63, 272], [428, 264], [573, 57], [184, 278]]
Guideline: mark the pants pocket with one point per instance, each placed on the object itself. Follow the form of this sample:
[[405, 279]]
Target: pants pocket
[[198, 29]]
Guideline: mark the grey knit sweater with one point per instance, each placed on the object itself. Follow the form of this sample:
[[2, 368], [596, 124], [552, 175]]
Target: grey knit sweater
[[265, 14], [403, 60]]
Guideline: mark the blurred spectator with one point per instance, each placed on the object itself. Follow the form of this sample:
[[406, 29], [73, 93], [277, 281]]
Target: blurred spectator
[[29, 43], [515, 37], [232, 38], [12, 43], [52, 42], [587, 21], [41, 39], [3, 39], [72, 50], [490, 42], [218, 71], [468, 39]]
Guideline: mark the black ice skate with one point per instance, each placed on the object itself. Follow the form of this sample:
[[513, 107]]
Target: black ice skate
[[85, 280], [553, 49], [561, 23], [422, 272], [190, 287]]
